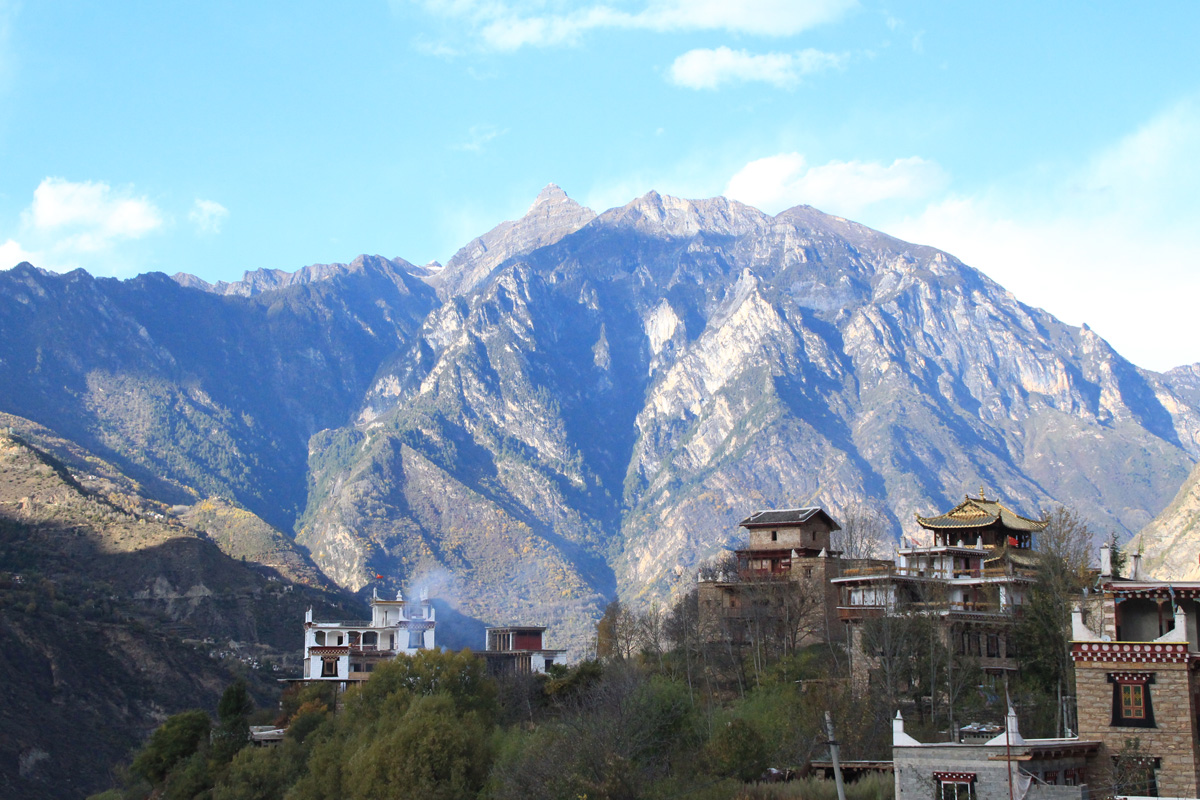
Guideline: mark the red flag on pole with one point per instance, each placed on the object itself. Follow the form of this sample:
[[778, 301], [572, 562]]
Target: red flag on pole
[[1012, 541]]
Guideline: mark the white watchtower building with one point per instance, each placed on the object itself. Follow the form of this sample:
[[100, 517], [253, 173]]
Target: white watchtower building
[[348, 650]]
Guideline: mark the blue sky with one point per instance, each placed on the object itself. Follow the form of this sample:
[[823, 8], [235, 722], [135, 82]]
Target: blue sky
[[1054, 146]]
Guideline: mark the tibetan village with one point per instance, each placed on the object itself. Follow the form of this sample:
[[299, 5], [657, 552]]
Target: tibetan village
[[948, 634]]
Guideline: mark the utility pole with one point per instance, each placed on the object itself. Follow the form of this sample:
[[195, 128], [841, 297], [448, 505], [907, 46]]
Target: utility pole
[[1008, 726], [833, 755]]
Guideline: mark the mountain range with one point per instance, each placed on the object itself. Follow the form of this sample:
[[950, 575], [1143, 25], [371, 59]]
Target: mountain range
[[579, 406], [114, 614]]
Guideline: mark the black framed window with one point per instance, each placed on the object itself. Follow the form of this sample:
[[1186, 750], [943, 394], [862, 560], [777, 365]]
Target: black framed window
[[1132, 706], [955, 785]]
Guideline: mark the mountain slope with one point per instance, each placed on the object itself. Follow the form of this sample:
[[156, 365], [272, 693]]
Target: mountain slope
[[194, 393], [627, 393], [552, 216], [115, 616], [1170, 543], [584, 405]]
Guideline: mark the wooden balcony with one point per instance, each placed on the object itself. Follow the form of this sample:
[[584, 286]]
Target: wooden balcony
[[856, 613], [937, 574]]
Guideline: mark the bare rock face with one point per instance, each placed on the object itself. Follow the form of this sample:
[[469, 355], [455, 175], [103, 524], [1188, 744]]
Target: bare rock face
[[267, 280], [552, 216], [117, 616], [623, 396], [581, 406], [1170, 544], [198, 393]]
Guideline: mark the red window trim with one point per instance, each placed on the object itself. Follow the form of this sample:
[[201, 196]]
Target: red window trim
[[954, 777]]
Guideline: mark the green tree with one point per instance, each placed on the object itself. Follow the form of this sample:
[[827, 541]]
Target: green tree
[[1117, 555], [432, 753], [1044, 629], [175, 740], [461, 676], [233, 724], [262, 773], [738, 750], [191, 778]]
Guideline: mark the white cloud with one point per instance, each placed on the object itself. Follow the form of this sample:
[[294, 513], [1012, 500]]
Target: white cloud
[[708, 69], [208, 216], [1112, 243], [12, 253], [845, 188], [477, 137], [510, 26], [89, 216], [87, 224]]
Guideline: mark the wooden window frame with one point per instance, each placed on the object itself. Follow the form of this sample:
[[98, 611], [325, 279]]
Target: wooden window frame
[[959, 781], [1132, 704]]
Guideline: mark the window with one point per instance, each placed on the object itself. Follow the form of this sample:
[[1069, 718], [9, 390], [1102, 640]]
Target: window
[[1135, 774], [954, 790], [955, 785], [774, 536], [329, 668], [993, 645], [1131, 699]]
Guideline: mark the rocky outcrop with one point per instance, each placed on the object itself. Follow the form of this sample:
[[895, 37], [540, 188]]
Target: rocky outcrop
[[627, 393], [578, 406], [552, 216], [114, 616], [269, 280], [194, 393], [1170, 544]]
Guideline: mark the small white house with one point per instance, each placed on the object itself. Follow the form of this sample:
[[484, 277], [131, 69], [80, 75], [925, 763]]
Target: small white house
[[348, 650]]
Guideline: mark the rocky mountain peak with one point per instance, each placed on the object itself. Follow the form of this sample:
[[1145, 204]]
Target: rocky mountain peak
[[552, 193], [261, 280], [657, 214], [552, 216]]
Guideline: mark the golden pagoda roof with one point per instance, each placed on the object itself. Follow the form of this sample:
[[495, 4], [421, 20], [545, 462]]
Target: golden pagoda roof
[[1025, 559], [976, 512]]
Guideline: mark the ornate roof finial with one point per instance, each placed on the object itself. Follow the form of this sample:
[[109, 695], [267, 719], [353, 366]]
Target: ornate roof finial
[[981, 497]]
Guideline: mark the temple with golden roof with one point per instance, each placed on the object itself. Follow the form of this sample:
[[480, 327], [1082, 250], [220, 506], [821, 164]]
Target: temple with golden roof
[[974, 576], [988, 521]]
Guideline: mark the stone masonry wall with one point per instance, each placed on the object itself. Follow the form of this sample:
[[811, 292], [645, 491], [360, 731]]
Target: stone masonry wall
[[914, 768], [1173, 739]]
